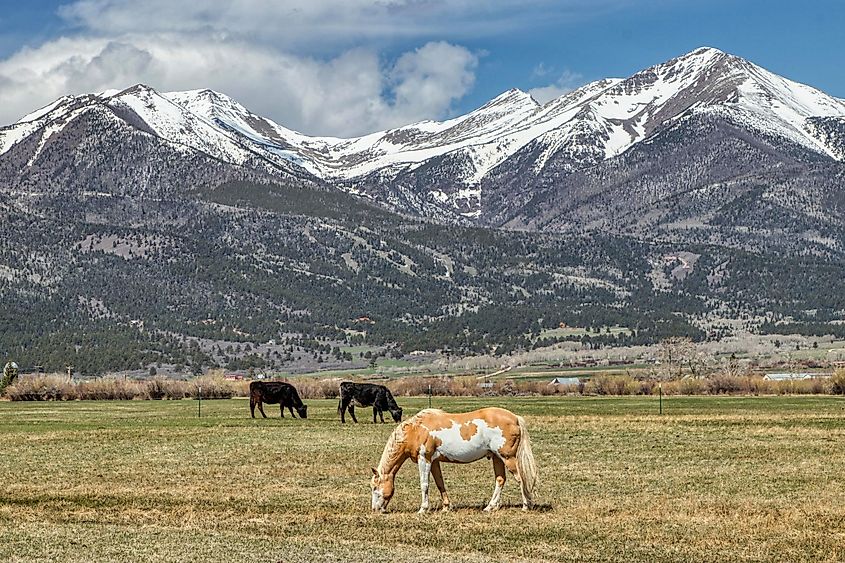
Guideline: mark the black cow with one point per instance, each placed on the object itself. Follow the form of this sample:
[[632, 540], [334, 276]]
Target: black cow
[[366, 395], [275, 392]]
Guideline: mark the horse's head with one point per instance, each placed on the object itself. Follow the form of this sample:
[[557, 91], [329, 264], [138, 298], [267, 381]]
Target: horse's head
[[302, 411], [382, 489], [397, 414]]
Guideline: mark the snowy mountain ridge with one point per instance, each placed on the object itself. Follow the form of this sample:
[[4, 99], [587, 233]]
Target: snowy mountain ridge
[[595, 122]]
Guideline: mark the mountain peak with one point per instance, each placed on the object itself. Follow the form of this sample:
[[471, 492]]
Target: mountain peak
[[514, 96], [139, 88], [704, 50]]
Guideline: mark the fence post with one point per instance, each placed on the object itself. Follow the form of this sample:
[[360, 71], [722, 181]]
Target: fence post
[[660, 387], [199, 401], [429, 395]]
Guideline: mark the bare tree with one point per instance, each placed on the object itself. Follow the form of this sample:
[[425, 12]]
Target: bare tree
[[674, 355]]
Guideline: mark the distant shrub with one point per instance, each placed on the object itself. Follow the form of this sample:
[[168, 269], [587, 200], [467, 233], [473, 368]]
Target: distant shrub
[[754, 385], [109, 389], [156, 388], [10, 374], [817, 386], [646, 386], [42, 388], [720, 383], [612, 385], [317, 388], [837, 382], [58, 388], [690, 386], [212, 387]]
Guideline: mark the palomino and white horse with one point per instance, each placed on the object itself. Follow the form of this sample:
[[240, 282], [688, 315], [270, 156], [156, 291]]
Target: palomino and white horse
[[433, 436]]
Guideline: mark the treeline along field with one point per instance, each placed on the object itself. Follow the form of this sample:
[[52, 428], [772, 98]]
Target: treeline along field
[[755, 479]]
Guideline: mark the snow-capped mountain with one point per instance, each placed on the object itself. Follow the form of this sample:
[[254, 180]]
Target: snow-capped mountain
[[436, 168]]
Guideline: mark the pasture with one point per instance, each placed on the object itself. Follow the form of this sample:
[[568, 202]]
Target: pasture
[[713, 479]]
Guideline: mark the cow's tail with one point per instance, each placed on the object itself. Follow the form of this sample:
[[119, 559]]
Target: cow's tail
[[526, 466]]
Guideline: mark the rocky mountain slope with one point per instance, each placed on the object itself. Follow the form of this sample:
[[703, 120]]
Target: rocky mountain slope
[[695, 197]]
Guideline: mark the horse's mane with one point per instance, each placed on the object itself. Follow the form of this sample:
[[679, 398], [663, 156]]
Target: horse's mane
[[394, 443], [397, 439]]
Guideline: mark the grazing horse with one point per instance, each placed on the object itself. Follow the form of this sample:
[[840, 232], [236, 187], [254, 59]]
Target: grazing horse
[[433, 436], [365, 395], [275, 392]]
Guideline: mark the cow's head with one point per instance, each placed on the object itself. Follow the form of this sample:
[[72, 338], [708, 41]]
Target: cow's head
[[382, 489], [397, 414], [302, 411]]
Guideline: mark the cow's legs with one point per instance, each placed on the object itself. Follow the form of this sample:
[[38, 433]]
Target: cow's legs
[[282, 409], [252, 405], [352, 412], [342, 410], [425, 470], [381, 415], [441, 486], [375, 413], [499, 471], [290, 408], [261, 408]]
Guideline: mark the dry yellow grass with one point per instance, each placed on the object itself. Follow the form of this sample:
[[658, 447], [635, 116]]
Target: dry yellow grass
[[714, 479]]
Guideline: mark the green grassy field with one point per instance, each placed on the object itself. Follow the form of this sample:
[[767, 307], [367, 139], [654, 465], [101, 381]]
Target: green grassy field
[[713, 479]]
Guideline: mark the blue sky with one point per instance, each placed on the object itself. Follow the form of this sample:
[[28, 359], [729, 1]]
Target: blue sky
[[345, 67]]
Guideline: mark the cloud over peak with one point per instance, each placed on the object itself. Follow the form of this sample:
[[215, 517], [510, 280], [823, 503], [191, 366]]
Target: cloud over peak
[[350, 94], [324, 67]]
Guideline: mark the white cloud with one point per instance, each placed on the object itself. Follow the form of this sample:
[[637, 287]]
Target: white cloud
[[541, 71], [431, 78], [301, 22], [299, 62], [567, 82], [350, 94]]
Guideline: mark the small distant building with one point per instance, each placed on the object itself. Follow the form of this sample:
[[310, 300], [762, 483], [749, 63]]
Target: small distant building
[[233, 377], [789, 376], [418, 353], [565, 381]]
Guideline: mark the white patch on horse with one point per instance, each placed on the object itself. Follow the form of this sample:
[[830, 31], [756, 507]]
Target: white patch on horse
[[453, 447]]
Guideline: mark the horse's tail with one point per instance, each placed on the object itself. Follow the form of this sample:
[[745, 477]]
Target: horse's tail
[[525, 464]]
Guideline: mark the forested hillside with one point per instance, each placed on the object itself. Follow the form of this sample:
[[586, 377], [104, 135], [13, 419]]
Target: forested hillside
[[115, 282]]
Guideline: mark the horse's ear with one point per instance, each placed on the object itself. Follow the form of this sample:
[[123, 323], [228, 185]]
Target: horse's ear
[[375, 472]]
